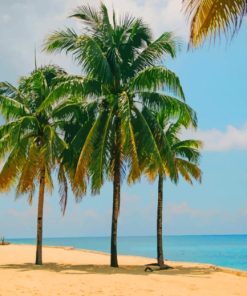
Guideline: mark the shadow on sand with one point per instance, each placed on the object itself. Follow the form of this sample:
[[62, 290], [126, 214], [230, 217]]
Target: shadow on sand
[[105, 269]]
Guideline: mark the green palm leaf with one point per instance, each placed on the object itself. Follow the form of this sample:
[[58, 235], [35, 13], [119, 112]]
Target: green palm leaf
[[88, 15], [165, 45], [60, 41], [170, 106], [10, 108], [156, 78]]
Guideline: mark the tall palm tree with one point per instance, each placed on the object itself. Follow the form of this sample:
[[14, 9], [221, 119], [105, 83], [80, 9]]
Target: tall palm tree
[[123, 72], [211, 17], [185, 155], [31, 144]]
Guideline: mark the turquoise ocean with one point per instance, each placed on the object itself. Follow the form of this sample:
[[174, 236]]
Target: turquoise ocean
[[222, 250]]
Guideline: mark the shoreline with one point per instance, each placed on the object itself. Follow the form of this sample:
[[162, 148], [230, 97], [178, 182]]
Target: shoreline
[[235, 271], [229, 270]]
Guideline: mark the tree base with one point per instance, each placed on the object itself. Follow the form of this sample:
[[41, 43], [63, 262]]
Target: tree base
[[165, 266], [160, 267], [114, 263], [38, 262]]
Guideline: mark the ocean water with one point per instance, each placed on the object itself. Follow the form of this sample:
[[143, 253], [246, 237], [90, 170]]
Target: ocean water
[[222, 250]]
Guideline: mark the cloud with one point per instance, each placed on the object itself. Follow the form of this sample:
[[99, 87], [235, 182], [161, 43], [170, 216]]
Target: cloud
[[182, 218], [25, 23], [179, 209], [214, 140], [162, 15], [137, 217]]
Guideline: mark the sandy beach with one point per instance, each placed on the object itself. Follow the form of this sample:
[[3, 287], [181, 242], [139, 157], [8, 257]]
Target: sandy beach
[[67, 271]]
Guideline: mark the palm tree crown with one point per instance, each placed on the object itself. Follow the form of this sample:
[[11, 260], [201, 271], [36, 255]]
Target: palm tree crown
[[31, 144], [121, 62]]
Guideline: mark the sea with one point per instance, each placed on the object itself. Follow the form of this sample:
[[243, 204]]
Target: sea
[[222, 250]]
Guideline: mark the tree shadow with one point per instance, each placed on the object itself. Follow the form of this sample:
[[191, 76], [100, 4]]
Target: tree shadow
[[105, 269]]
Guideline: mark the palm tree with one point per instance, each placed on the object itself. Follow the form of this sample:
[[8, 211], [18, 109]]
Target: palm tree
[[184, 155], [123, 73], [211, 17], [31, 144]]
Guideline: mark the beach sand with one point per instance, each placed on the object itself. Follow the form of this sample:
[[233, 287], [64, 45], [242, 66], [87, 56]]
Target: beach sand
[[67, 271]]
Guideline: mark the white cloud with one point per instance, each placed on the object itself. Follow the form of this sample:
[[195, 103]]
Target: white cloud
[[182, 218], [162, 15], [25, 23], [180, 209], [232, 138]]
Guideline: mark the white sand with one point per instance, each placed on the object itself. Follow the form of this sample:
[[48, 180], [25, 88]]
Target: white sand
[[84, 273]]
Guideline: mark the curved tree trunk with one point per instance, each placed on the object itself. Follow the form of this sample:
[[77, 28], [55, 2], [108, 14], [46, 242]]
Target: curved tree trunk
[[40, 219], [160, 257], [116, 195]]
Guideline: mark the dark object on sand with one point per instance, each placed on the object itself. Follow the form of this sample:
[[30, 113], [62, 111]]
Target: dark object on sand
[[148, 269], [162, 267], [3, 241]]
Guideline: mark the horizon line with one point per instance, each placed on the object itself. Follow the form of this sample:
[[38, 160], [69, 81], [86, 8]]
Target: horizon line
[[129, 236]]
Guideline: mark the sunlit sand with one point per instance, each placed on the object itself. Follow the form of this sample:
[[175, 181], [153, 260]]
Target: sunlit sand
[[67, 271]]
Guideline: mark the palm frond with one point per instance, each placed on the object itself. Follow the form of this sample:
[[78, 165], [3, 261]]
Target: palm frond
[[188, 149], [92, 58], [29, 173], [165, 45], [164, 146], [63, 188], [128, 132], [149, 152], [48, 177], [11, 108], [71, 88], [211, 17], [88, 15], [156, 78], [62, 41], [101, 152], [13, 164], [169, 106], [188, 170], [82, 170]]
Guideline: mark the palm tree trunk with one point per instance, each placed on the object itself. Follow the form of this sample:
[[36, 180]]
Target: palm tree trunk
[[40, 219], [160, 257], [116, 195]]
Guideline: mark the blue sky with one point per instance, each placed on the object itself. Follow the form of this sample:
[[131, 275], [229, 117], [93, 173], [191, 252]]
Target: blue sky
[[214, 80]]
